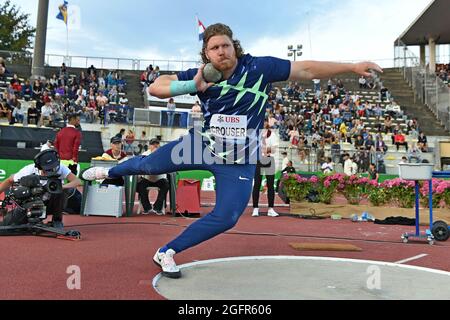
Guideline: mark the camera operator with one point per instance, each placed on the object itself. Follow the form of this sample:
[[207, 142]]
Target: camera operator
[[47, 163]]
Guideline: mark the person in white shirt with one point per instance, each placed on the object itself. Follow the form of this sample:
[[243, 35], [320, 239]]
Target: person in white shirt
[[350, 167], [266, 166], [47, 163], [285, 160], [46, 112], [362, 83], [18, 114], [328, 166], [123, 101], [171, 108], [159, 181]]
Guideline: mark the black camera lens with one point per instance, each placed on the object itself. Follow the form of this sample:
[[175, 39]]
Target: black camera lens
[[52, 186]]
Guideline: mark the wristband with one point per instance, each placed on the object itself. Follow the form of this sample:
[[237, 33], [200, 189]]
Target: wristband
[[178, 88]]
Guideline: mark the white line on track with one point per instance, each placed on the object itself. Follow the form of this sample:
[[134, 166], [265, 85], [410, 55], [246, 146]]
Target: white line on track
[[420, 256]]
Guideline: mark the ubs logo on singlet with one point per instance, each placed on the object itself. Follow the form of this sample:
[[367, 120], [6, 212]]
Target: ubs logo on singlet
[[230, 119]]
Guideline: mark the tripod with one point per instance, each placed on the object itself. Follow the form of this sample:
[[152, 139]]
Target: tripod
[[39, 229]]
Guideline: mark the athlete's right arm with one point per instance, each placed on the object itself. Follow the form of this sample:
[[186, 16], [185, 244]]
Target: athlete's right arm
[[5, 185], [161, 87], [168, 86]]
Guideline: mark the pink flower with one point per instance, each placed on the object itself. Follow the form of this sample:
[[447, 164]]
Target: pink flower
[[314, 179], [373, 183], [363, 181]]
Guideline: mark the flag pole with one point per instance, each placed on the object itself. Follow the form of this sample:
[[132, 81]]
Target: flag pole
[[67, 42]]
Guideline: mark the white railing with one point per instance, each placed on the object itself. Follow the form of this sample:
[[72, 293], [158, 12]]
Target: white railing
[[428, 88], [117, 63], [55, 60]]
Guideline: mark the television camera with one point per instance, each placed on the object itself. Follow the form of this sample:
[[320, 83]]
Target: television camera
[[24, 210]]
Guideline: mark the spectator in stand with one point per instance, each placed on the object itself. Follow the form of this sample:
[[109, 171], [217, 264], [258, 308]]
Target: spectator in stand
[[61, 90], [91, 113], [27, 90], [422, 142], [2, 66], [67, 143], [143, 143], [157, 72], [15, 84], [92, 70], [400, 140], [14, 104], [369, 143], [53, 81], [359, 143], [112, 95], [171, 108], [329, 85], [46, 113], [362, 83], [101, 82], [414, 154], [33, 114], [123, 101], [335, 151], [129, 140], [18, 114], [63, 71], [143, 78], [102, 101], [378, 111], [380, 145], [37, 90], [316, 83], [388, 124], [84, 81], [273, 123], [5, 111], [384, 94]]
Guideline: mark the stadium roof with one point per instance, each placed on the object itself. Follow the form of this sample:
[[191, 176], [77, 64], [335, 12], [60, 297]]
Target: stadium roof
[[434, 22]]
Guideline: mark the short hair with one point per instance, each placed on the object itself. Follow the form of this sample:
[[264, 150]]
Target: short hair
[[73, 116], [220, 29]]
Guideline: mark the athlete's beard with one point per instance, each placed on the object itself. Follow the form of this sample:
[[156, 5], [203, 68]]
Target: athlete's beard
[[226, 65]]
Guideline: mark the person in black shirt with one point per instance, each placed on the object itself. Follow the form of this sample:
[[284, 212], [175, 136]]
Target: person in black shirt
[[359, 142], [422, 142]]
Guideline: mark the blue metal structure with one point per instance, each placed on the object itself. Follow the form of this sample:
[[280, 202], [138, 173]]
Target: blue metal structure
[[428, 235]]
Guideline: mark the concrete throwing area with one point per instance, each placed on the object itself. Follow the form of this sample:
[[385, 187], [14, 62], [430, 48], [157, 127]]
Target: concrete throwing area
[[303, 278]]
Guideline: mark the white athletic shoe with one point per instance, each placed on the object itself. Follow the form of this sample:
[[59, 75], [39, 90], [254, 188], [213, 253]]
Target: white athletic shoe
[[166, 262], [95, 173], [272, 213], [255, 212]]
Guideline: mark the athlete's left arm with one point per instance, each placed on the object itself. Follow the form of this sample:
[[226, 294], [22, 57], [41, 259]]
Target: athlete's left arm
[[308, 70]]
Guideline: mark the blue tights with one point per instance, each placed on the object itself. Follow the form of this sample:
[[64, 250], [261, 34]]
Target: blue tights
[[233, 190]]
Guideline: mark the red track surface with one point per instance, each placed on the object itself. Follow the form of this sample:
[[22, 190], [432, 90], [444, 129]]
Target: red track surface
[[115, 255]]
